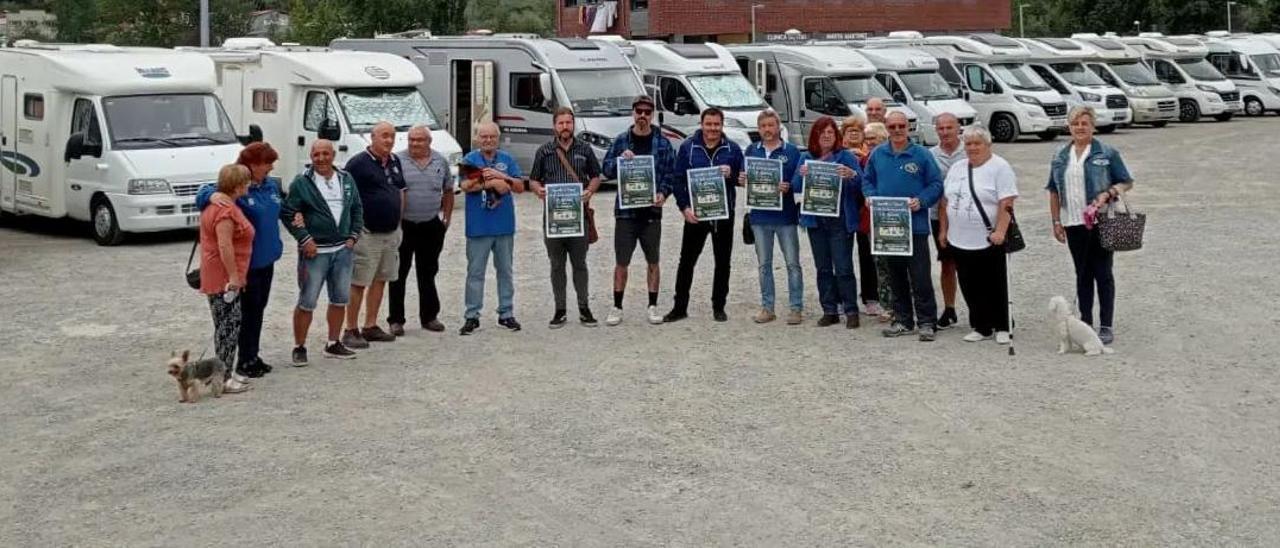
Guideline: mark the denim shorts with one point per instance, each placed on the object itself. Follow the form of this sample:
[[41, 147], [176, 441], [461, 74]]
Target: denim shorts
[[325, 269]]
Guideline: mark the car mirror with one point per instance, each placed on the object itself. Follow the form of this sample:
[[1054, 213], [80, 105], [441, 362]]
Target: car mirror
[[254, 136], [75, 147], [329, 131]]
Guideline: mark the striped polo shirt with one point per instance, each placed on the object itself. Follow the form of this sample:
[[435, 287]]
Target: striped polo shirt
[[548, 169]]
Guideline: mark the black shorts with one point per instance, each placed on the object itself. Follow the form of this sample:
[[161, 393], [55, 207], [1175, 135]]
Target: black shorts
[[943, 254], [628, 232]]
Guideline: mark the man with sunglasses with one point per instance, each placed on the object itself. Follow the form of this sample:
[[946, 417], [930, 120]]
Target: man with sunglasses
[[907, 170], [639, 226]]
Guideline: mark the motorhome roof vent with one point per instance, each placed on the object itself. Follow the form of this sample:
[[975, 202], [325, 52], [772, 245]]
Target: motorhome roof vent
[[377, 72], [1110, 45], [1085, 35], [693, 51], [1150, 35], [995, 40], [247, 42], [1184, 42], [906, 34], [576, 43], [1218, 34], [1060, 43], [411, 33]]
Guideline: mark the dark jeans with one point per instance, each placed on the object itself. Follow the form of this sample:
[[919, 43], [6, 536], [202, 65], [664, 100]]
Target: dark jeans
[[253, 304], [422, 241], [691, 244], [912, 282], [867, 270], [575, 249], [832, 246], [1093, 266], [983, 276]]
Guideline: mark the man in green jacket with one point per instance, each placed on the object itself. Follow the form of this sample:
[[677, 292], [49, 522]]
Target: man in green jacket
[[328, 203]]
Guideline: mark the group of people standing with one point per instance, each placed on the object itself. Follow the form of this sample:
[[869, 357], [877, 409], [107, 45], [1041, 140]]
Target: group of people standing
[[362, 227]]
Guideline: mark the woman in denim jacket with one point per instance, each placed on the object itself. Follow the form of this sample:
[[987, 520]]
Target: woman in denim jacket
[[1087, 173]]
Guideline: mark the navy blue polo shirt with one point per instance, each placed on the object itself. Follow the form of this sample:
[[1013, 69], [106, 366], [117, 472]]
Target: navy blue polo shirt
[[380, 186]]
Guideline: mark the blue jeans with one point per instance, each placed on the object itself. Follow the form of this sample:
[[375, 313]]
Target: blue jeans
[[789, 240], [833, 258], [332, 270], [478, 250], [912, 281]]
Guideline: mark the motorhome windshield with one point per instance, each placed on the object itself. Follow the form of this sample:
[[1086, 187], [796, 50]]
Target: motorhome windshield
[[1019, 76], [600, 93], [857, 89], [927, 86], [166, 121], [726, 91], [1200, 69], [1134, 73], [402, 107], [1077, 74], [1268, 64]]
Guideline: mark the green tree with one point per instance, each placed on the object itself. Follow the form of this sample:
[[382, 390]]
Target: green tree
[[77, 20], [533, 16], [316, 22]]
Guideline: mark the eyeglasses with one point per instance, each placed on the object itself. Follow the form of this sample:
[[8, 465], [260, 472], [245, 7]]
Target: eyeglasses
[[644, 111], [896, 126]]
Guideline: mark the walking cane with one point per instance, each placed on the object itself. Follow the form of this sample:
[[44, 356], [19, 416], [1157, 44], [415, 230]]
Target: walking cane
[[1008, 282]]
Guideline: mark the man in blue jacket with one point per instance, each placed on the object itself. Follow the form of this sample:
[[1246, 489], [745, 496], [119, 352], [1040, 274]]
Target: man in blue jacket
[[639, 226], [766, 226], [706, 148], [907, 170]]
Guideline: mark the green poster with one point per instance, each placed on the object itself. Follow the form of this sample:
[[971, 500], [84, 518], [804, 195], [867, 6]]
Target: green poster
[[822, 188], [563, 213], [707, 194]]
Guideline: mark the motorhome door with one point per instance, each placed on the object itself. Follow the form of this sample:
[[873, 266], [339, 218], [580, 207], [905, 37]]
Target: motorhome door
[[83, 173], [8, 142], [318, 113], [472, 101], [233, 96]]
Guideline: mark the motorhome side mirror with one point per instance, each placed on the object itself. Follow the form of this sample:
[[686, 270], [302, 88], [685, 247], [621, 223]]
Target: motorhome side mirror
[[75, 147], [989, 87], [544, 85], [899, 96], [254, 136], [685, 107], [329, 131]]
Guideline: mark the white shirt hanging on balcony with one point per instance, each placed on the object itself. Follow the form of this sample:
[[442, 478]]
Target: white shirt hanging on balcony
[[605, 15]]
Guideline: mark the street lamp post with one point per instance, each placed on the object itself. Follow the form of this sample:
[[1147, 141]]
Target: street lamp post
[[1229, 4], [204, 23], [1022, 26], [753, 21], [1137, 27]]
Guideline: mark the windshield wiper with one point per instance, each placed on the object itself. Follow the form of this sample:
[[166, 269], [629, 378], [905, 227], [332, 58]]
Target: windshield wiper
[[204, 138], [146, 140], [404, 127]]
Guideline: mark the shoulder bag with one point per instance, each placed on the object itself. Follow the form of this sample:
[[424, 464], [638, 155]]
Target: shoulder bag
[[1013, 241], [1121, 232], [593, 235], [193, 276]]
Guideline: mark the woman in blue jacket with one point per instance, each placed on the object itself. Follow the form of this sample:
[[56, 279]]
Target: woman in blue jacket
[[832, 238], [262, 206], [1083, 173]]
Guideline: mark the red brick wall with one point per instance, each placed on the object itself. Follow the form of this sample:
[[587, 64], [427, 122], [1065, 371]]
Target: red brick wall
[[699, 17]]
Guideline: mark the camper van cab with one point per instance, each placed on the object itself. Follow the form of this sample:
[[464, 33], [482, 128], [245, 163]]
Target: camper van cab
[[685, 79], [1180, 64], [517, 81], [1253, 66], [1119, 65], [122, 137], [300, 94], [1060, 63], [1010, 98], [805, 82], [912, 78]]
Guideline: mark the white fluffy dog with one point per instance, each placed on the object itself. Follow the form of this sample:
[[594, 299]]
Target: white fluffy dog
[[1074, 334]]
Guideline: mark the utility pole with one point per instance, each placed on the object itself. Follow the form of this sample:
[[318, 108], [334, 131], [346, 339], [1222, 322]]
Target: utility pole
[[1022, 26], [753, 21], [1229, 4], [204, 23]]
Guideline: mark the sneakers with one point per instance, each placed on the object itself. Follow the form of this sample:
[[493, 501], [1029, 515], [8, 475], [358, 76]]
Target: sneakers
[[510, 323], [654, 317], [675, 316], [765, 316], [872, 308], [852, 322], [376, 334], [351, 339], [337, 351], [254, 369], [719, 315], [928, 333], [300, 356], [1003, 337], [434, 326], [585, 317], [471, 325], [795, 317], [236, 376], [897, 330], [397, 329], [614, 317], [558, 320], [232, 386], [975, 337], [948, 319], [1107, 335]]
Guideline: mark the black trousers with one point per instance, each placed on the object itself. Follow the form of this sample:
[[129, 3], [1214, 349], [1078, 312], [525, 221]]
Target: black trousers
[[253, 305], [984, 282], [574, 250], [423, 242], [691, 244], [912, 282], [870, 290], [1093, 266]]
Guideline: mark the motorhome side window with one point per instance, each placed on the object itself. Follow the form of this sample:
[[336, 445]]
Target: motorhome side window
[[979, 80], [1166, 73], [890, 84], [84, 120], [1228, 64], [264, 100], [1105, 75], [318, 111], [1050, 79], [526, 92], [820, 95], [675, 98], [33, 106], [949, 72]]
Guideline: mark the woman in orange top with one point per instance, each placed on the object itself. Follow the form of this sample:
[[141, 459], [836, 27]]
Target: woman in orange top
[[226, 241]]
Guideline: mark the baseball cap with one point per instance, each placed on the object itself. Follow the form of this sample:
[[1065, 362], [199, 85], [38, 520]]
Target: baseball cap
[[642, 100]]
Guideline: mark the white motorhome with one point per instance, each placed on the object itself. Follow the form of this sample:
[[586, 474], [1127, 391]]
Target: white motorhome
[[1060, 62], [1253, 65], [685, 79], [806, 82], [1180, 63], [517, 81], [1010, 98], [298, 94], [1120, 66], [912, 79], [122, 137]]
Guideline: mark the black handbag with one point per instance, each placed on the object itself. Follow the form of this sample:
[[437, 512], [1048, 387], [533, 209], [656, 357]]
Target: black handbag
[[1121, 232], [193, 276], [748, 235], [1013, 241]]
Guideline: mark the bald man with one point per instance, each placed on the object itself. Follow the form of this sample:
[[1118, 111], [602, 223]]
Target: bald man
[[328, 204], [489, 177], [875, 110], [428, 210], [380, 179]]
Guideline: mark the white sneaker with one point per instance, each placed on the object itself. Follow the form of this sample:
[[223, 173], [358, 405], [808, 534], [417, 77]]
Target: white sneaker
[[233, 386], [239, 378], [1002, 337], [975, 337], [872, 308], [655, 317], [614, 317]]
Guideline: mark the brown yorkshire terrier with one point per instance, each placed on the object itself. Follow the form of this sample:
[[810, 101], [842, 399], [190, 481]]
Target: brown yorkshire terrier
[[190, 375]]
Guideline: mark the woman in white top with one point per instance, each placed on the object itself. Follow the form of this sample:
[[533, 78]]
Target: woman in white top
[[977, 250]]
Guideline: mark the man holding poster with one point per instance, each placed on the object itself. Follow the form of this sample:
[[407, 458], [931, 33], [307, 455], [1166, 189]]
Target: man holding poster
[[707, 148], [774, 157], [642, 161], [906, 170]]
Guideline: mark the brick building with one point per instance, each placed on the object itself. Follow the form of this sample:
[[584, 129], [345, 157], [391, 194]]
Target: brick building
[[729, 21]]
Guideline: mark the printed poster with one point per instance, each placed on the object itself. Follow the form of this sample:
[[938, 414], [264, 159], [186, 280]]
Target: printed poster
[[707, 194], [890, 226], [563, 211], [763, 177]]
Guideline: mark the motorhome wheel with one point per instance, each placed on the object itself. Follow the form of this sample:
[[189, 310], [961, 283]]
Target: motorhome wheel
[[1253, 107], [106, 229], [1188, 112], [1004, 129]]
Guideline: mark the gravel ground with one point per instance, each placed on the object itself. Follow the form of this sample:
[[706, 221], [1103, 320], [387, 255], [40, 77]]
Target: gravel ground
[[689, 434]]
